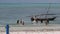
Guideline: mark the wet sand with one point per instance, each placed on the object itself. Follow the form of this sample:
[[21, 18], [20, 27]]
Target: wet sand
[[42, 29]]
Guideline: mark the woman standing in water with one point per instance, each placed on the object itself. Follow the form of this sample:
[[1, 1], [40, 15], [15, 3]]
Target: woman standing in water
[[22, 22]]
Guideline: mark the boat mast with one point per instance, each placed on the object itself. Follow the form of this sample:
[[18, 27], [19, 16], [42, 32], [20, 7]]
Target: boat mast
[[48, 10]]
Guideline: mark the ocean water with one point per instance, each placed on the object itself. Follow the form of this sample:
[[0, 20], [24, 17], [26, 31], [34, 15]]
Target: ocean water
[[11, 12]]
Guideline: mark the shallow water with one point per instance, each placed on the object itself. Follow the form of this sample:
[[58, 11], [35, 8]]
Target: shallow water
[[9, 13]]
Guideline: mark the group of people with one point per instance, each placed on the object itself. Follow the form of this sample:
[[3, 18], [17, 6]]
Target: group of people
[[20, 22]]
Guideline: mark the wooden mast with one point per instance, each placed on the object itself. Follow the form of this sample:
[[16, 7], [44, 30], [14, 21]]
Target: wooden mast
[[47, 21]]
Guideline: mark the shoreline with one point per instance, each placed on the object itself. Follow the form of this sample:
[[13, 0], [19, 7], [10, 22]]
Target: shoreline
[[50, 27], [33, 29]]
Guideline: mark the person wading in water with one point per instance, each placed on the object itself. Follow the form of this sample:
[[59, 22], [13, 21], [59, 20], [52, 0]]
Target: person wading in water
[[22, 22], [17, 21]]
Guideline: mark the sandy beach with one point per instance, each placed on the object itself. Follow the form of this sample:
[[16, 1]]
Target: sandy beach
[[32, 29], [24, 32]]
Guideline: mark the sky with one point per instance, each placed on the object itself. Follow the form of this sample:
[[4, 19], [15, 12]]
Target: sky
[[29, 1]]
